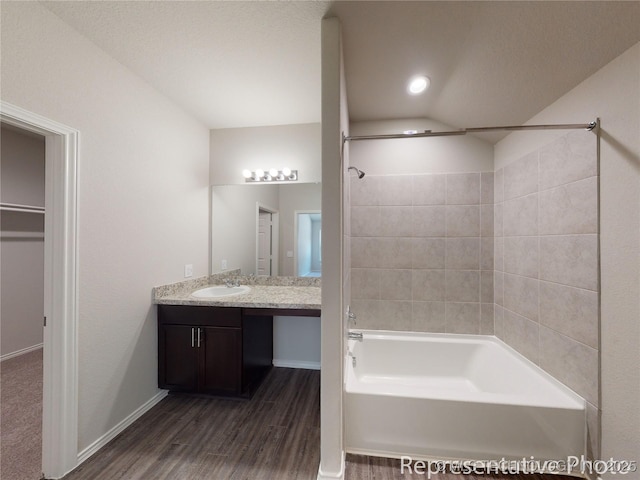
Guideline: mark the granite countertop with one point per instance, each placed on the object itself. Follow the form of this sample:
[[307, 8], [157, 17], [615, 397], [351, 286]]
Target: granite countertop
[[266, 292]]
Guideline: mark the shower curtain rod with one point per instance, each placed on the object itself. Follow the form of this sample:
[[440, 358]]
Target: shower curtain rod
[[464, 131]]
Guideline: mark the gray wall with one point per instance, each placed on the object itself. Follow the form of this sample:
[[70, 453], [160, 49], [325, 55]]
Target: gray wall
[[22, 245], [546, 261]]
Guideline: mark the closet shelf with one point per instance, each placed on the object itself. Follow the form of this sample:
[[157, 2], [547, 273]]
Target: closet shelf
[[14, 207]]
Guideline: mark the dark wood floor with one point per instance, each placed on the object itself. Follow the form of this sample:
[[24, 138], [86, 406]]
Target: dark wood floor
[[275, 435], [359, 467]]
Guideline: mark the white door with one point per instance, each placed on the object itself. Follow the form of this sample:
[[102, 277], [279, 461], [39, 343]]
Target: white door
[[264, 243]]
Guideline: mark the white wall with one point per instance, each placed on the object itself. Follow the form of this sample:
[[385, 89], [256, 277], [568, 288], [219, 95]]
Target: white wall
[[294, 197], [22, 246], [296, 342], [293, 146], [417, 155], [233, 224], [613, 95], [143, 201], [334, 122]]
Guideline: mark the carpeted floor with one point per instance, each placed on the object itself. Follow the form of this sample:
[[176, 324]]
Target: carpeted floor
[[21, 417]]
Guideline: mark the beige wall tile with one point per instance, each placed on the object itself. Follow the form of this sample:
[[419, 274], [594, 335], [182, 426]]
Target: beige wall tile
[[498, 255], [570, 311], [569, 158], [428, 285], [521, 256], [393, 252], [521, 295], [487, 188], [462, 221], [570, 260], [486, 319], [498, 321], [593, 431], [498, 186], [428, 252], [463, 253], [364, 191], [365, 284], [486, 286], [498, 288], [571, 362], [428, 317], [394, 315], [364, 252], [429, 189], [395, 190], [521, 177], [395, 284], [522, 334], [429, 221], [570, 208], [498, 220], [462, 285], [463, 189], [396, 222], [367, 313], [463, 317], [486, 220], [365, 221], [521, 216], [486, 253]]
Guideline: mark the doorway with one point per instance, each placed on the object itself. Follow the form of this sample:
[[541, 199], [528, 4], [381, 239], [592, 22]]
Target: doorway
[[22, 261], [308, 243], [59, 399], [267, 240]]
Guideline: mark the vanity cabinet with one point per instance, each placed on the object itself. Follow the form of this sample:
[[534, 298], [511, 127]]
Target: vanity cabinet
[[213, 350]]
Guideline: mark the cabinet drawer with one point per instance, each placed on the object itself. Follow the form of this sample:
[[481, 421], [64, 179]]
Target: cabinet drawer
[[200, 315]]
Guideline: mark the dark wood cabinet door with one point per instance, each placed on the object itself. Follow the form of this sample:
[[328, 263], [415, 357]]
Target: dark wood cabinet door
[[177, 358], [220, 360]]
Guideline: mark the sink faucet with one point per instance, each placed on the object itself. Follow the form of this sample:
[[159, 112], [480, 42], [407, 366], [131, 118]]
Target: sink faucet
[[232, 283], [355, 335]]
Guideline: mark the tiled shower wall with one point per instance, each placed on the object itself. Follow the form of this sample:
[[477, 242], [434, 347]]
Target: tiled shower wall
[[546, 263], [422, 252]]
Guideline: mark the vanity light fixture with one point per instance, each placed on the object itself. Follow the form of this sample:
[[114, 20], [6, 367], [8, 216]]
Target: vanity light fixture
[[418, 84], [271, 175]]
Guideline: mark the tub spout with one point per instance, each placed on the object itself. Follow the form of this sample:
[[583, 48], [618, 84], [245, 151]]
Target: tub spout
[[355, 335]]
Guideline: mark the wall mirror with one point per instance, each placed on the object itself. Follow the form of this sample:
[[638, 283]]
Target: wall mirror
[[267, 229]]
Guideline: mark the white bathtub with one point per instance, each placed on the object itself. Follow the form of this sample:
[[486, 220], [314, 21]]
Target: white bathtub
[[438, 396]]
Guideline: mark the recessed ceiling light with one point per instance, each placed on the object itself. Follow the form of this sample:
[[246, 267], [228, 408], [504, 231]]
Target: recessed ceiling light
[[418, 84], [410, 132]]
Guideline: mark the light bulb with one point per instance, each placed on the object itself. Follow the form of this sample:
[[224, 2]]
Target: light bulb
[[286, 171], [418, 84], [273, 172], [259, 173], [246, 173]]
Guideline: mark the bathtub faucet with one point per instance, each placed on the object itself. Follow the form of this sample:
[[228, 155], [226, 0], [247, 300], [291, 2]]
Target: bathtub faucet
[[355, 335]]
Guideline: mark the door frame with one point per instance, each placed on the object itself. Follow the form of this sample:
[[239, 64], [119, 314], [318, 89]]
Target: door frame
[[275, 236], [60, 351]]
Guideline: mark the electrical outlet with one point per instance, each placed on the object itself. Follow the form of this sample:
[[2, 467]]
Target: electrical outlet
[[188, 270], [223, 264]]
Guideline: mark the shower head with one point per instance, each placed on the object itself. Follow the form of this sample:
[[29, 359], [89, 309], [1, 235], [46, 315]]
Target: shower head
[[358, 171]]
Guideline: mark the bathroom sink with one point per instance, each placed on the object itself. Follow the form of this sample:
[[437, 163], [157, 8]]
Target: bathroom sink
[[220, 291]]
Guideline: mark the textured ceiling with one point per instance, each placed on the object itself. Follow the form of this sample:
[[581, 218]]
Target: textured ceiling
[[237, 64]]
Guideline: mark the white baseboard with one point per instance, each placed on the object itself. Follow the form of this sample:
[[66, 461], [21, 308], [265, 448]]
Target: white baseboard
[[17, 353], [296, 364], [333, 476], [116, 430]]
